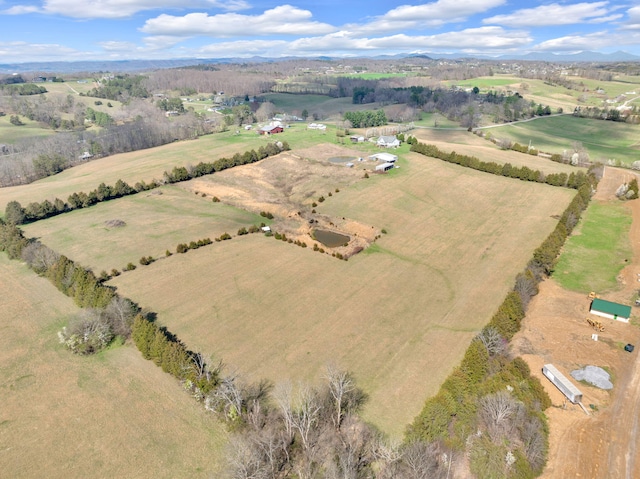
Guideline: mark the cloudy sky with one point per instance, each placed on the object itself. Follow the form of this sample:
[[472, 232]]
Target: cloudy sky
[[47, 30]]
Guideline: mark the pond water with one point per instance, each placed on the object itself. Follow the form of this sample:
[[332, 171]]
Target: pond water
[[343, 159], [330, 239]]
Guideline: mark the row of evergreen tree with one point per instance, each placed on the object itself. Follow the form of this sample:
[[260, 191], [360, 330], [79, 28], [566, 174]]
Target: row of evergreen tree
[[573, 180], [16, 214]]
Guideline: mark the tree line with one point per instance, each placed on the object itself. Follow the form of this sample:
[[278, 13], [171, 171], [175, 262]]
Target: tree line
[[16, 214], [524, 173]]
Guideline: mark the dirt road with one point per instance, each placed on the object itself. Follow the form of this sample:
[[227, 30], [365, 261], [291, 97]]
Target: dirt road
[[604, 444]]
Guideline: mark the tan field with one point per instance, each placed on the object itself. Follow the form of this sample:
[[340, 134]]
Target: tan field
[[112, 415], [155, 221], [465, 143], [399, 315]]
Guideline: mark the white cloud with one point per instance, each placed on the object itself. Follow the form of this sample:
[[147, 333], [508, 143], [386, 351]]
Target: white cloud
[[633, 23], [243, 48], [119, 8], [427, 15], [345, 43], [556, 14], [592, 41], [19, 51], [281, 20]]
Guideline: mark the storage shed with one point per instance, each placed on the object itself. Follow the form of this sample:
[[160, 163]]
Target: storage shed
[[608, 309], [565, 386], [384, 167]]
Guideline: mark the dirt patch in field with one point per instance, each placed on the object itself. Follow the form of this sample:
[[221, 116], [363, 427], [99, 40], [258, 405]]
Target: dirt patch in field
[[287, 186], [602, 445]]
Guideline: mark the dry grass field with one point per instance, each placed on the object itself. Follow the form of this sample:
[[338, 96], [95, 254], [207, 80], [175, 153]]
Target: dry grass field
[[112, 415], [465, 143], [399, 315], [156, 221]]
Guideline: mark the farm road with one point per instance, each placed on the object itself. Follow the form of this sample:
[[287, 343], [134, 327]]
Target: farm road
[[605, 444]]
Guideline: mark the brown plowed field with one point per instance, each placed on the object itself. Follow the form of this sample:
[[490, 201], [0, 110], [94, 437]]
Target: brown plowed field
[[604, 444]]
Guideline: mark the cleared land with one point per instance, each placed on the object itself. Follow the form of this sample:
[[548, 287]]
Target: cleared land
[[399, 315], [603, 140], [155, 221], [112, 415]]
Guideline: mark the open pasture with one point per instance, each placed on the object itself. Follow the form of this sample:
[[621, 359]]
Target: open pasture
[[156, 221], [603, 140], [111, 415], [10, 134], [465, 143], [400, 315]]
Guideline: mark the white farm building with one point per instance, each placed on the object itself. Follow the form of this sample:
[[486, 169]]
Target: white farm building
[[384, 167], [608, 309], [562, 383], [384, 157]]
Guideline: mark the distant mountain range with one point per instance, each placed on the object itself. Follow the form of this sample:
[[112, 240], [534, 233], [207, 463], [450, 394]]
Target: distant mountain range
[[146, 65]]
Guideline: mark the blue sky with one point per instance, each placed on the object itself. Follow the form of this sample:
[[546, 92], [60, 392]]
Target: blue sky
[[73, 30]]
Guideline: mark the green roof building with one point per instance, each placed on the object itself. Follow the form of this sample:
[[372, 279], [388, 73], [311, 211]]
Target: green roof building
[[608, 309]]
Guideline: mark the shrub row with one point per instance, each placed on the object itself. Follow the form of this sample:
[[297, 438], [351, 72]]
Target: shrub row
[[574, 180], [16, 214], [184, 247]]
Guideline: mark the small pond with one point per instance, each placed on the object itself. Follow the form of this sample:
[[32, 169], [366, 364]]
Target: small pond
[[330, 239], [343, 159]]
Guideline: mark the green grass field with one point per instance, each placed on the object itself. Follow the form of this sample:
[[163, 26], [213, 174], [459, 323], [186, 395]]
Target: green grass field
[[10, 134], [156, 221], [596, 253], [110, 415], [603, 139], [400, 316]]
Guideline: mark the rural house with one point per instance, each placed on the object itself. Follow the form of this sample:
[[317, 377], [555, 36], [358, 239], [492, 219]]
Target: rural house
[[608, 309], [388, 142]]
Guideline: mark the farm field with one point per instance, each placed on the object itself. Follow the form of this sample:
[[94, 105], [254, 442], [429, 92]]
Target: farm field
[[10, 134], [111, 415], [403, 309], [465, 143], [603, 140], [155, 221]]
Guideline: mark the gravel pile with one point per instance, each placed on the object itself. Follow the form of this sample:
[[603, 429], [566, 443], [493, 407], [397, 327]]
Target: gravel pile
[[594, 375]]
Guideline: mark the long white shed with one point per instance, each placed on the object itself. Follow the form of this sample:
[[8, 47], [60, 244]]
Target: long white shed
[[562, 383]]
